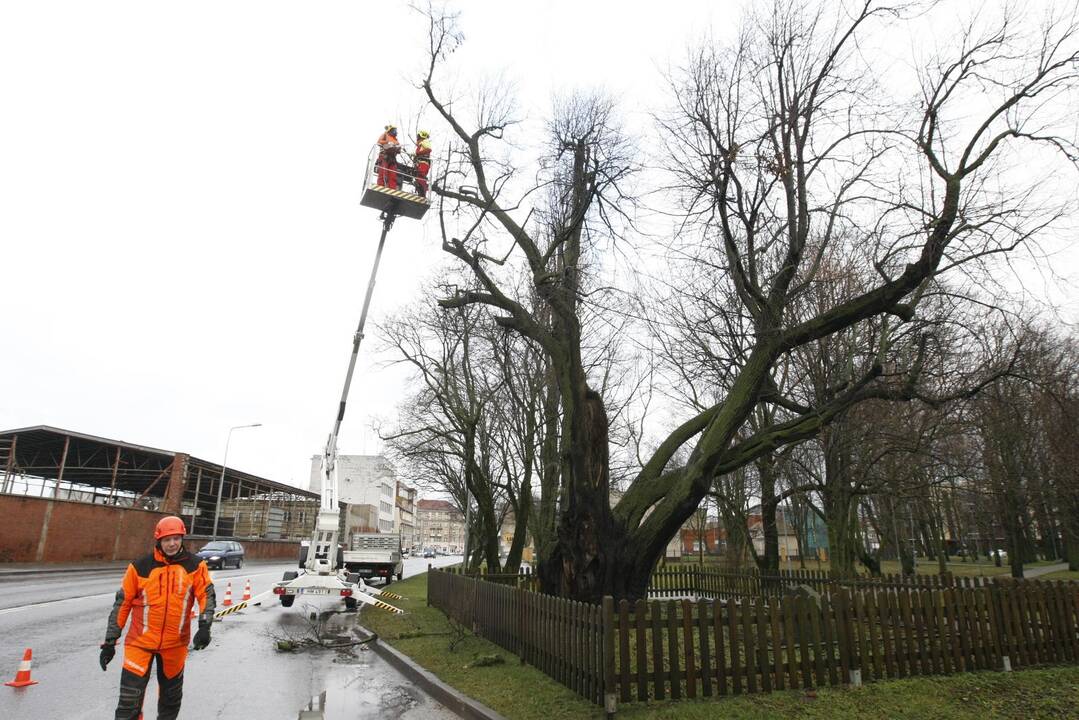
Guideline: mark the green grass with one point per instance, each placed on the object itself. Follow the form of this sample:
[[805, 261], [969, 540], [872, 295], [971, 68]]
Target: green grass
[[1061, 575], [1044, 693], [512, 689], [522, 692]]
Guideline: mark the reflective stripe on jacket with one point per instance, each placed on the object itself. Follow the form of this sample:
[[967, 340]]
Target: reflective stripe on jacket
[[158, 593]]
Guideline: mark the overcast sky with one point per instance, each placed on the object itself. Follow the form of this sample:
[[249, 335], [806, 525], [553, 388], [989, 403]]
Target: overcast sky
[[183, 248], [182, 244]]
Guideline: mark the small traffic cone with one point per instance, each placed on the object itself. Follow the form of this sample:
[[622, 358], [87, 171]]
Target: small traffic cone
[[247, 590], [22, 677], [228, 595]]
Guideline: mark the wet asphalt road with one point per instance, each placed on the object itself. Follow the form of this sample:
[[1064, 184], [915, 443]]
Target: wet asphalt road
[[62, 618]]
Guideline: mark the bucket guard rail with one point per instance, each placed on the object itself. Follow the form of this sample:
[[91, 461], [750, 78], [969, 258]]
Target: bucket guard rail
[[393, 201]]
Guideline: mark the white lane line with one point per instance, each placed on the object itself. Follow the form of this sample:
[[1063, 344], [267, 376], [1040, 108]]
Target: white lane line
[[17, 608]]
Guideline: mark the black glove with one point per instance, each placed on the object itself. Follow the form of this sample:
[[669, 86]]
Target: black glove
[[108, 652], [202, 637]]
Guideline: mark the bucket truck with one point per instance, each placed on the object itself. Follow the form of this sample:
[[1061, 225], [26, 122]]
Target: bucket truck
[[322, 569]]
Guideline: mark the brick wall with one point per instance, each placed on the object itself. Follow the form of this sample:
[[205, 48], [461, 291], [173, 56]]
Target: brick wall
[[255, 549], [63, 531], [45, 530]]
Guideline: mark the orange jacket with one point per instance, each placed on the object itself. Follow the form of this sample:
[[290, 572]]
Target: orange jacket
[[158, 593], [388, 145]]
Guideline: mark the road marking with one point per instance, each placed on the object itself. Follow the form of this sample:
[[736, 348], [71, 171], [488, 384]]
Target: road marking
[[112, 593], [17, 608]]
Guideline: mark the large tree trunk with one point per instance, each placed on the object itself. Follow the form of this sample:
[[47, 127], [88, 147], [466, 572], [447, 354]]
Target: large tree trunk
[[769, 562], [586, 555], [1071, 547], [486, 520], [545, 528], [521, 513], [838, 503]]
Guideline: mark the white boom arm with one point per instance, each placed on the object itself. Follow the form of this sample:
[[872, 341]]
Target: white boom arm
[[322, 557]]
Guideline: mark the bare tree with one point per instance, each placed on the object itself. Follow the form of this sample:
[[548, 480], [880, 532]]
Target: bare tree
[[783, 150]]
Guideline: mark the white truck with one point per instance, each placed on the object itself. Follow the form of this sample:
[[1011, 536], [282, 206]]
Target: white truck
[[374, 556]]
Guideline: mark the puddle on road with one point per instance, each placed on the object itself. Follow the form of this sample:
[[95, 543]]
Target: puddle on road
[[361, 686], [358, 703]]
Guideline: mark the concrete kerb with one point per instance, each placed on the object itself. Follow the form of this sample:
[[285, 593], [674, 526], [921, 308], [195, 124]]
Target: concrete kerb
[[450, 697]]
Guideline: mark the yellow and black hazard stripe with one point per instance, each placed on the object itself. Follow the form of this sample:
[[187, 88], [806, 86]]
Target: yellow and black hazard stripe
[[411, 197], [229, 610], [390, 595], [387, 606]]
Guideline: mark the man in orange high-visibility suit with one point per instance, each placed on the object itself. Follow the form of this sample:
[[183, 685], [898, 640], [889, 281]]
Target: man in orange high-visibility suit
[[422, 160], [157, 594], [388, 147]]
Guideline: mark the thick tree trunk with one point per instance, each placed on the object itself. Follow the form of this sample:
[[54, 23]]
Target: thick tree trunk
[[906, 559], [734, 523], [521, 514], [486, 521], [769, 562], [587, 555], [843, 546], [1013, 532], [545, 527], [1071, 549]]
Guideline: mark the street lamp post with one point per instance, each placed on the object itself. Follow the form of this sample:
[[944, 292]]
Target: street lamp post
[[221, 480]]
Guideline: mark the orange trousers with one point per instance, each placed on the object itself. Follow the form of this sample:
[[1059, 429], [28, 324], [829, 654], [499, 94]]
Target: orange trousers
[[422, 168], [387, 173]]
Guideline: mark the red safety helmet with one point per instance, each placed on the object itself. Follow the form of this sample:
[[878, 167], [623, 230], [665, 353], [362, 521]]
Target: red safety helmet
[[170, 525]]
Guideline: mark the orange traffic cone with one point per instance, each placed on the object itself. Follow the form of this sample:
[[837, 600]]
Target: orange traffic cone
[[247, 590], [22, 677], [228, 595]]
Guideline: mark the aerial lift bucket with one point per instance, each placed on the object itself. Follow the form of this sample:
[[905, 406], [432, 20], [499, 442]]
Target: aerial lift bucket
[[395, 201]]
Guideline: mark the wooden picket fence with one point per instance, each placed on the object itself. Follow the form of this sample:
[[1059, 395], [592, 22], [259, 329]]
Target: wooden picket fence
[[563, 638], [696, 581], [676, 581], [699, 649], [655, 649]]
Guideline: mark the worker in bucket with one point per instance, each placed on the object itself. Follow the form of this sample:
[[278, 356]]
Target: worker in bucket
[[158, 593], [422, 161], [388, 147]]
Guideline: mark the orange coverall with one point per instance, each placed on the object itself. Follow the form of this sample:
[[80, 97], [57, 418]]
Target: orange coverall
[[423, 164], [157, 595], [387, 160]]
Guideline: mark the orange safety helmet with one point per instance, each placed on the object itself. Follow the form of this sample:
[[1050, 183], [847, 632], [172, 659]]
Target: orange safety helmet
[[170, 525]]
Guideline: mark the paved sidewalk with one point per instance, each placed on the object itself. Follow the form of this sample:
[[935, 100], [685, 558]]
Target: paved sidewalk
[[1043, 570]]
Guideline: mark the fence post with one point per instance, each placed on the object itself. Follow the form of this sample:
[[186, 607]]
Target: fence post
[[428, 584], [610, 696]]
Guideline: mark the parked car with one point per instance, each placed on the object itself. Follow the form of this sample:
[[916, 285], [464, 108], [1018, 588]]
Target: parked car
[[222, 554]]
